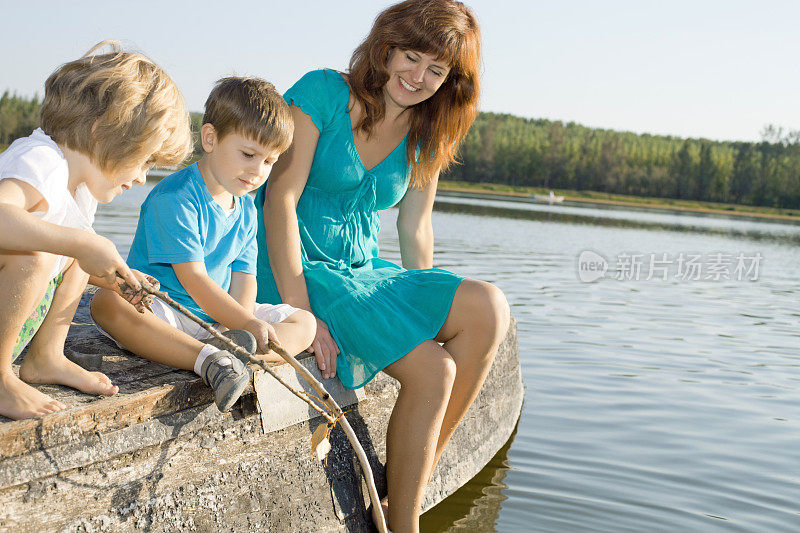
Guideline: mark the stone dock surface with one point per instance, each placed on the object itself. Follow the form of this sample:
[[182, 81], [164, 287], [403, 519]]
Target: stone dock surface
[[158, 456]]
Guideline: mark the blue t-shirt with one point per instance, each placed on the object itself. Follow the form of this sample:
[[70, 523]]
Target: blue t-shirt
[[179, 223]]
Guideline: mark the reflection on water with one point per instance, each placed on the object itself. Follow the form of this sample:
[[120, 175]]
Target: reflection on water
[[474, 507], [660, 405]]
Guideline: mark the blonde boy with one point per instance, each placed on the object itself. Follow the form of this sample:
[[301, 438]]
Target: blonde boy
[[105, 120], [197, 236]]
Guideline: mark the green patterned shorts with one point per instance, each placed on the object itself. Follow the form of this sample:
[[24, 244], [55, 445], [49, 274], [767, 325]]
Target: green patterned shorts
[[31, 325]]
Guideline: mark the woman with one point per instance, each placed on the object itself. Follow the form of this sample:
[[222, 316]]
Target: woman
[[365, 141]]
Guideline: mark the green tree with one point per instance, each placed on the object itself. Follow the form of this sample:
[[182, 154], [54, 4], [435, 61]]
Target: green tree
[[706, 173], [744, 173], [682, 171]]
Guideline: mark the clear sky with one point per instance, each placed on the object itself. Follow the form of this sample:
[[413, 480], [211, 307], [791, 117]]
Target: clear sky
[[702, 68]]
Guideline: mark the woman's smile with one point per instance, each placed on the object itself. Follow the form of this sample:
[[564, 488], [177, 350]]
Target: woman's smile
[[407, 86]]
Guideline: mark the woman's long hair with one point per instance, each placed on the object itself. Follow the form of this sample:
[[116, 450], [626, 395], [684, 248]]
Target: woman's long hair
[[447, 30]]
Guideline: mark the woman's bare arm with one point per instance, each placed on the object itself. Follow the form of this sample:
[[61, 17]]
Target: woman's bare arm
[[414, 227], [285, 185]]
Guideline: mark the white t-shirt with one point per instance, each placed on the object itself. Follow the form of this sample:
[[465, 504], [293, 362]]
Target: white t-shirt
[[39, 162]]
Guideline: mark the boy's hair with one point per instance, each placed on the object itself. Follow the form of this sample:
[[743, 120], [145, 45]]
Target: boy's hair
[[117, 108], [250, 107]]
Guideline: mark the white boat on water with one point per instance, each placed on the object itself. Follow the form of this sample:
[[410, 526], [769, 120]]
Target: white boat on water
[[549, 198]]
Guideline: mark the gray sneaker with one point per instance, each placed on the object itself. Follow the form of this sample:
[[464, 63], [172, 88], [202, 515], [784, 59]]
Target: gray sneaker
[[241, 337], [228, 376]]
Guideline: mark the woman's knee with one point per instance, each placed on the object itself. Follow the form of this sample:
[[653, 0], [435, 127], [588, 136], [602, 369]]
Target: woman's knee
[[427, 368], [436, 378], [444, 369], [500, 310], [487, 305]]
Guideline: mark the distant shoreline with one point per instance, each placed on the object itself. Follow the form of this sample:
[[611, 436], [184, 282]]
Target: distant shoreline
[[492, 191], [585, 198]]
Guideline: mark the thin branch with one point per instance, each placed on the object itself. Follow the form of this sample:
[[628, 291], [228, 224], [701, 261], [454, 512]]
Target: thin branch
[[334, 412]]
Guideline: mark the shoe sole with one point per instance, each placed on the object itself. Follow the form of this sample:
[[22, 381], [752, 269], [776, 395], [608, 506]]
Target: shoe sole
[[226, 400]]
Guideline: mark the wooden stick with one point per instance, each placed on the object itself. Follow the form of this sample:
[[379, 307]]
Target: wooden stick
[[334, 411]]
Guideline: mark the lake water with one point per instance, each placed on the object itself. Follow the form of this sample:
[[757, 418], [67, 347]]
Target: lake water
[[663, 396]]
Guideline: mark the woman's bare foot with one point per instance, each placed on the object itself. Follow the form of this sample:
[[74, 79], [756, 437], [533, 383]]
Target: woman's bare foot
[[58, 370], [19, 400]]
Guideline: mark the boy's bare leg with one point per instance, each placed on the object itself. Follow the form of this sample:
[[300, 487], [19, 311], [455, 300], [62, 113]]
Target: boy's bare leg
[[23, 279], [45, 361], [144, 334], [295, 334]]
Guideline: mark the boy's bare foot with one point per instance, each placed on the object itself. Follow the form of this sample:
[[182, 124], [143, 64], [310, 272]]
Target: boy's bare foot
[[19, 400], [58, 370]]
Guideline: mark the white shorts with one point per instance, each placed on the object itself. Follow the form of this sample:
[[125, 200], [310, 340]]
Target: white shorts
[[266, 312]]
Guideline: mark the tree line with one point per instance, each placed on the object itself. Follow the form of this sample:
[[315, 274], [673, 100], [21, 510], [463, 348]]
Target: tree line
[[19, 116], [506, 149], [502, 148]]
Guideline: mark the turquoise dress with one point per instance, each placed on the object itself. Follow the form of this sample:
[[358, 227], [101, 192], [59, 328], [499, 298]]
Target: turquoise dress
[[376, 311]]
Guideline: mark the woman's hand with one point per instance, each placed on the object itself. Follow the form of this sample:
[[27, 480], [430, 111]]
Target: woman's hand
[[325, 350]]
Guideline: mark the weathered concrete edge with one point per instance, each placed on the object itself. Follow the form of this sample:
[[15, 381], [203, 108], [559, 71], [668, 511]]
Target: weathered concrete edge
[[157, 495], [95, 446], [280, 408], [98, 447]]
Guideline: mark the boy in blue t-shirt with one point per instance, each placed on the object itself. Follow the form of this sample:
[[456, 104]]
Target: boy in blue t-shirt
[[197, 236]]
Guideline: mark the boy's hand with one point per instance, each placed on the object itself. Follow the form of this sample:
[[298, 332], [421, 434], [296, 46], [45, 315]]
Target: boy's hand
[[98, 257], [263, 332], [141, 300]]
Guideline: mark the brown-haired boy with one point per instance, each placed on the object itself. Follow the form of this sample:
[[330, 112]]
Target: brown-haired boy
[[197, 236], [106, 119]]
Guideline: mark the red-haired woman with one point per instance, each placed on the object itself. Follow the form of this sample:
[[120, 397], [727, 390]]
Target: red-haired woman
[[367, 140]]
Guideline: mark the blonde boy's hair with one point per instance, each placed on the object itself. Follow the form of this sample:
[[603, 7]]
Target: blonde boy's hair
[[251, 107], [117, 108]]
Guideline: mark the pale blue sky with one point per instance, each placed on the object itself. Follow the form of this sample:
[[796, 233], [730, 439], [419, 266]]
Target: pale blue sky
[[715, 69]]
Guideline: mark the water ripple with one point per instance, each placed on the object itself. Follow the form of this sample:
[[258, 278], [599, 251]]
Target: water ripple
[[650, 405]]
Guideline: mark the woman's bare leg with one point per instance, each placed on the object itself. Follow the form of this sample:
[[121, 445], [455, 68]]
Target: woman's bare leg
[[45, 361], [426, 377], [475, 327]]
